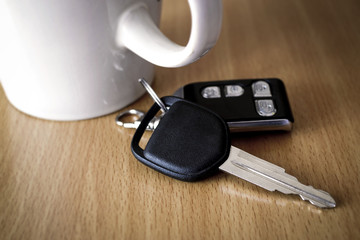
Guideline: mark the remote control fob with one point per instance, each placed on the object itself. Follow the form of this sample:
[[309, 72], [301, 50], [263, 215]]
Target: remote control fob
[[246, 105]]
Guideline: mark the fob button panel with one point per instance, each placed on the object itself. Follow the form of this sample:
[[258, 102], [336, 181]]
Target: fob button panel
[[261, 89], [265, 107], [233, 90], [240, 112], [211, 92]]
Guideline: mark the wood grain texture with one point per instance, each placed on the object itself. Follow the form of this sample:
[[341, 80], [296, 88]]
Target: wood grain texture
[[79, 180]]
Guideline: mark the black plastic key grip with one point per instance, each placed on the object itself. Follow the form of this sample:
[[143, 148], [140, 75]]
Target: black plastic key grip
[[189, 144]]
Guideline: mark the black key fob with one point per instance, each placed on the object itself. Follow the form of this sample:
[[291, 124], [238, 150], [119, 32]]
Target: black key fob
[[189, 144], [246, 105]]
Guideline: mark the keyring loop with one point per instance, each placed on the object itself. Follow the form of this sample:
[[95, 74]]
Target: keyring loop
[[153, 94], [131, 112], [139, 117]]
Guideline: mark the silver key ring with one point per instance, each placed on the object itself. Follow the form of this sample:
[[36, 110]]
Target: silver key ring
[[153, 94], [139, 115], [132, 112]]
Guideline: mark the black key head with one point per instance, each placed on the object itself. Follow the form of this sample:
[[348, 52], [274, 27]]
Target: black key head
[[189, 144]]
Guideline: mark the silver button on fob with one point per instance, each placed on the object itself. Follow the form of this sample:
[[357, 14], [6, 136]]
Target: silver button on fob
[[246, 105]]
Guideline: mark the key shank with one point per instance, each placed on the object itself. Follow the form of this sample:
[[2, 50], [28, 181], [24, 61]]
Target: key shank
[[272, 177]]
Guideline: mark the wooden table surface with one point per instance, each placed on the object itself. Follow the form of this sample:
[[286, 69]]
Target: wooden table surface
[[79, 180]]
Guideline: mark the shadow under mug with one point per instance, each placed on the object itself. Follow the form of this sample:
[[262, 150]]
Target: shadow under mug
[[72, 60]]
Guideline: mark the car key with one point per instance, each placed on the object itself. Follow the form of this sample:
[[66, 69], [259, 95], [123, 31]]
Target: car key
[[246, 105], [192, 142]]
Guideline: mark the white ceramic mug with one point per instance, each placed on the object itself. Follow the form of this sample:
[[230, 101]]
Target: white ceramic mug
[[71, 60]]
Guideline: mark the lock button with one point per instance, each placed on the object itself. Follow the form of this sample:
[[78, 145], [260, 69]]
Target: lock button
[[261, 89], [233, 90], [211, 92], [265, 107]]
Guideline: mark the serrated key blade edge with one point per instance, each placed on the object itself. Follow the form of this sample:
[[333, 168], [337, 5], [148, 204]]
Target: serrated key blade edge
[[253, 169], [314, 196]]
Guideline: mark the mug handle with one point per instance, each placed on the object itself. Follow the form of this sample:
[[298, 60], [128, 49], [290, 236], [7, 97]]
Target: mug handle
[[138, 32]]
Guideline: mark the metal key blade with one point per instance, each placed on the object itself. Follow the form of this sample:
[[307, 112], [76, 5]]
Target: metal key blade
[[272, 177]]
